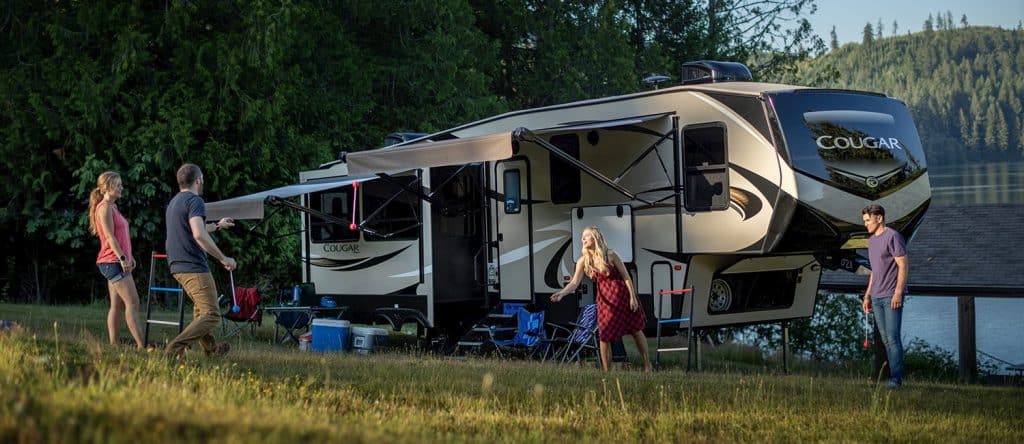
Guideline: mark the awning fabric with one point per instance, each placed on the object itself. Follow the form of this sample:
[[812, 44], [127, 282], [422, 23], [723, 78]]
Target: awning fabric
[[395, 159], [251, 206], [460, 151]]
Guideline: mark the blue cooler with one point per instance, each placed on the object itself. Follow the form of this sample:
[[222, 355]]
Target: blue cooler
[[330, 335]]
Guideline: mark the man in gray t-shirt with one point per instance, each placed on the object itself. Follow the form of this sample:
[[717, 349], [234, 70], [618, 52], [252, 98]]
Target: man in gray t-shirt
[[887, 252], [188, 243]]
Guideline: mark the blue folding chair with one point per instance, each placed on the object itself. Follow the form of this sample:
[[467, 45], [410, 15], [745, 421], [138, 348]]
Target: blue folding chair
[[529, 334], [569, 347]]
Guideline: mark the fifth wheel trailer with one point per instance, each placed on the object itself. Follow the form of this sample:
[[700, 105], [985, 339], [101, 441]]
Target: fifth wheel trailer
[[739, 190]]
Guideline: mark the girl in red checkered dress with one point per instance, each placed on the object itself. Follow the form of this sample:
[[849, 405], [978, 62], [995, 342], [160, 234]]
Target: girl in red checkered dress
[[618, 310]]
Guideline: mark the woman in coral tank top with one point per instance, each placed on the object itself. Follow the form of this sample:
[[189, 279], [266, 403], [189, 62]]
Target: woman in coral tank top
[[115, 259]]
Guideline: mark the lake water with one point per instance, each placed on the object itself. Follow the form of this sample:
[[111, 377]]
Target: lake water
[[986, 183], [999, 323]]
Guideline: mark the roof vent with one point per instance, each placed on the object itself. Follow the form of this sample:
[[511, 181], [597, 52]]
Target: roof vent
[[707, 71]]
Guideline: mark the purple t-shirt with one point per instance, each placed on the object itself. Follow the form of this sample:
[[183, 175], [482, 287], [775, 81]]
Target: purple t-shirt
[[882, 251]]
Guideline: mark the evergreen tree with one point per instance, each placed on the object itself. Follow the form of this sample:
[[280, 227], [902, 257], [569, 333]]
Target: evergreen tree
[[869, 34], [833, 39], [1002, 130], [895, 28], [879, 30], [992, 138], [928, 24], [963, 21], [967, 130]]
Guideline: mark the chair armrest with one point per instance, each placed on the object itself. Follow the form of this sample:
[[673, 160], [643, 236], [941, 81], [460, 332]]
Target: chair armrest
[[558, 327]]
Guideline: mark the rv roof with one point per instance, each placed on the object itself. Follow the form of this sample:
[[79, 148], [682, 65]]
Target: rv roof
[[752, 88]]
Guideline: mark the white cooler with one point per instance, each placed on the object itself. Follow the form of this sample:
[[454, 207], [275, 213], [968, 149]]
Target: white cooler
[[368, 339]]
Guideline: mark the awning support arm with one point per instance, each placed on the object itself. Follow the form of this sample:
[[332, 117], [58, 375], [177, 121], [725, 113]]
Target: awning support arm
[[418, 191], [382, 206], [437, 187], [526, 135], [278, 202], [644, 155]]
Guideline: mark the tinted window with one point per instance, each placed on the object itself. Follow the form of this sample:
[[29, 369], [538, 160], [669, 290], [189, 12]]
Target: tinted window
[[706, 169], [512, 190], [565, 178], [397, 215], [864, 143], [337, 203]]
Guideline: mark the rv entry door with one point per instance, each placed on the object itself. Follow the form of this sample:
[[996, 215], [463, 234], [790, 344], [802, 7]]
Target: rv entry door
[[514, 226]]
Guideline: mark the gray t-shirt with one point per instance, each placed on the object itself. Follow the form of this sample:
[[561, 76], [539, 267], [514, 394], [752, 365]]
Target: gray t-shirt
[[183, 252], [882, 251]]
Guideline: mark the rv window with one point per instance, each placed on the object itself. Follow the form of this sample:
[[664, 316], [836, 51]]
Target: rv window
[[706, 168], [511, 187], [399, 217], [337, 203], [565, 178]]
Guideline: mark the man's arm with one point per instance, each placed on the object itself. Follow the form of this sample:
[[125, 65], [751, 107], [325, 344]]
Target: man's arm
[[902, 267], [205, 242], [222, 224], [866, 303]]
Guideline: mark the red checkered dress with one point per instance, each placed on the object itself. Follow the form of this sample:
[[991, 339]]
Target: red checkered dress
[[614, 317]]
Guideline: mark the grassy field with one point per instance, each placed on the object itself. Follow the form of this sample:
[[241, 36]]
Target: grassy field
[[61, 382]]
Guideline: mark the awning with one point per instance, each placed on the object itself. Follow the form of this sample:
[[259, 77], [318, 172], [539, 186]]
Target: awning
[[251, 206], [460, 151], [395, 159]]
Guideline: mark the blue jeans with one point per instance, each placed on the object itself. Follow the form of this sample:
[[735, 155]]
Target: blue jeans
[[889, 322]]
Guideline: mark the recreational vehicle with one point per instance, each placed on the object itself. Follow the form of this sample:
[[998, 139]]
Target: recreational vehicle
[[739, 190]]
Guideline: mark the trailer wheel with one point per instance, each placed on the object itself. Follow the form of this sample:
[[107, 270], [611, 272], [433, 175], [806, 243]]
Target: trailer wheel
[[720, 298]]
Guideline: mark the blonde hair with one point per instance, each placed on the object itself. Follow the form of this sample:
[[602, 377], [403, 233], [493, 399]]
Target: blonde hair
[[595, 260], [104, 183]]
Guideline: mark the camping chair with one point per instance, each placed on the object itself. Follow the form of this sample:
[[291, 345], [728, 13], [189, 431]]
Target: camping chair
[[569, 344], [250, 312], [529, 334]]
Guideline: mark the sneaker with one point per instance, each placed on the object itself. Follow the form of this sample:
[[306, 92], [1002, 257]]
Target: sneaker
[[893, 384], [222, 349]]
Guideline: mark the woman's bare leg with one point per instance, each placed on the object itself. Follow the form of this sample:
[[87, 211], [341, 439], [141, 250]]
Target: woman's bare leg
[[641, 345], [606, 354], [129, 297], [114, 314]]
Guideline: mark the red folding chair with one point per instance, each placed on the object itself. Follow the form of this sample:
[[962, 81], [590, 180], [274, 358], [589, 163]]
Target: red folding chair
[[249, 314]]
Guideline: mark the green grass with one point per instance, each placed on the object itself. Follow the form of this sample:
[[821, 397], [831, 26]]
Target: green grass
[[61, 382]]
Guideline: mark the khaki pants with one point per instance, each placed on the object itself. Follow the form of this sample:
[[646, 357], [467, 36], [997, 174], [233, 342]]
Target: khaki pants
[[205, 316]]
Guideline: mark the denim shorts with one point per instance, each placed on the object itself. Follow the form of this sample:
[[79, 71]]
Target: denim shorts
[[112, 271]]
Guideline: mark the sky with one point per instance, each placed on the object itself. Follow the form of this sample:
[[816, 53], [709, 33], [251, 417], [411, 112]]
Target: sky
[[849, 16]]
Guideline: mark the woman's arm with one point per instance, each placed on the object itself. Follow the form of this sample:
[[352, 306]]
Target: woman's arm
[[106, 220], [577, 277]]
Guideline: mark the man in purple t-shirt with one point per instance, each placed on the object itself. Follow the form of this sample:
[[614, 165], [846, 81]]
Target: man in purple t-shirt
[[887, 286]]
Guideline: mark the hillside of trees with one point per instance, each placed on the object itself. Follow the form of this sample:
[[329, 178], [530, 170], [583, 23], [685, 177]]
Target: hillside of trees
[[963, 84], [255, 91]]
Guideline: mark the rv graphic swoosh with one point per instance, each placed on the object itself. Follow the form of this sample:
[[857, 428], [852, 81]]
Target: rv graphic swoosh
[[521, 252], [744, 202], [369, 262], [671, 255], [551, 271], [325, 262]]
